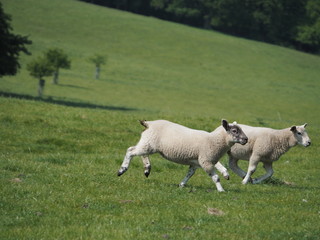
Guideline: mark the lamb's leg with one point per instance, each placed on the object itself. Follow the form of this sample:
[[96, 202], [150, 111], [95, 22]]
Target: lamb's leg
[[147, 165], [208, 166], [138, 150], [215, 178], [253, 163], [222, 170], [233, 164], [269, 170], [126, 161], [190, 173]]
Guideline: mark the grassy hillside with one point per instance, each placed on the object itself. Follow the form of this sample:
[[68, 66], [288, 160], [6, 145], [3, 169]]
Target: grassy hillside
[[59, 156], [161, 66]]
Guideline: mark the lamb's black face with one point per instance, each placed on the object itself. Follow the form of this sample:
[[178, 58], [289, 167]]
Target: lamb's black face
[[236, 132], [238, 135]]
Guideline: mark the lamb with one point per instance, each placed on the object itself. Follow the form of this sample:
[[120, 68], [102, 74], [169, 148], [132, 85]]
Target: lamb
[[265, 145], [182, 145]]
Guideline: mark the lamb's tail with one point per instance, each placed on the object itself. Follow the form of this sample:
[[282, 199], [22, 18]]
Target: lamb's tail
[[144, 123]]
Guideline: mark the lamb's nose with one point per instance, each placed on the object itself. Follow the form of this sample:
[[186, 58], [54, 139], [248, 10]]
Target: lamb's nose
[[244, 141], [307, 144]]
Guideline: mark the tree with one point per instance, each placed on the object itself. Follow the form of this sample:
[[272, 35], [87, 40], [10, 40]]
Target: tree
[[10, 46], [39, 68], [184, 11], [58, 59], [309, 33], [98, 60]]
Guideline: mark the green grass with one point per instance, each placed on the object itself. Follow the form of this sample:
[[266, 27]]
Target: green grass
[[60, 156], [67, 165]]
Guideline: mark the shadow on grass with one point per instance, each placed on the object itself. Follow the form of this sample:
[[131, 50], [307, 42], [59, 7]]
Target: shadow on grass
[[278, 182], [65, 102], [71, 86]]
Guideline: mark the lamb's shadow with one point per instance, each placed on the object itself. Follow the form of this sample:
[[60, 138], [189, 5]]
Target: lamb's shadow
[[65, 102], [277, 182]]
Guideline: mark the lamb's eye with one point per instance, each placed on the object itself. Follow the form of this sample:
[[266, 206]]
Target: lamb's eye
[[234, 130], [299, 133]]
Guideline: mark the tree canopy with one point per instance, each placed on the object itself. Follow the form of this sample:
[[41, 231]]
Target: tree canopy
[[309, 32], [58, 58], [98, 60], [40, 67], [10, 46]]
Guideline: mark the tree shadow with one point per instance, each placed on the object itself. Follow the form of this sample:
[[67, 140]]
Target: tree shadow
[[65, 102], [71, 86]]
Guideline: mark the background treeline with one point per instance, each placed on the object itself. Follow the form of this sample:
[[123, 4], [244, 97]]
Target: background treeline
[[290, 23]]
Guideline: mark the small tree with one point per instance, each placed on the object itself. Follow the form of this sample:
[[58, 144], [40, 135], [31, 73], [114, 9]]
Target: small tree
[[98, 60], [39, 68], [58, 59]]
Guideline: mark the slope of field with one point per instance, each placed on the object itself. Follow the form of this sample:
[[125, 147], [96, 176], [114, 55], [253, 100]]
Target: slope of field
[[60, 155], [162, 66]]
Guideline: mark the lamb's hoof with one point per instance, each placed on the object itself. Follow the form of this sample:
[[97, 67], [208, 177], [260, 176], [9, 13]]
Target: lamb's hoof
[[226, 175], [147, 173], [248, 181], [255, 181], [121, 171]]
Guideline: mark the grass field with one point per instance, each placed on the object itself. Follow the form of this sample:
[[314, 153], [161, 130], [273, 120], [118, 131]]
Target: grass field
[[60, 155]]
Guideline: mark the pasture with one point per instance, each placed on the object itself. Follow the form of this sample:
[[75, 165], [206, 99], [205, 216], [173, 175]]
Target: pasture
[[60, 154]]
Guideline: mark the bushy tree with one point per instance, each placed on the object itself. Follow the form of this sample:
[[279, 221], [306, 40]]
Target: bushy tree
[[10, 46], [191, 12], [58, 59], [309, 33], [40, 68], [98, 60]]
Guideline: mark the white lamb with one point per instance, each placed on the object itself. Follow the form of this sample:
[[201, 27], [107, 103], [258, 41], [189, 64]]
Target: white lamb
[[265, 145], [186, 146]]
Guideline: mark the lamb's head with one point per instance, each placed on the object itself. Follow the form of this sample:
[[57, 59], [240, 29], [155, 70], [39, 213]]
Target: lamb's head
[[235, 132], [301, 135]]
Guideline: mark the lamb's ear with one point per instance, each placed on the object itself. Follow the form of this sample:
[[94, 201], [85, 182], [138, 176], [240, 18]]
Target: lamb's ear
[[225, 124], [304, 125], [293, 128]]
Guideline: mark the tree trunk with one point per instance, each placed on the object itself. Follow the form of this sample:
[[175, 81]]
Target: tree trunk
[[55, 77], [41, 87], [97, 72]]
